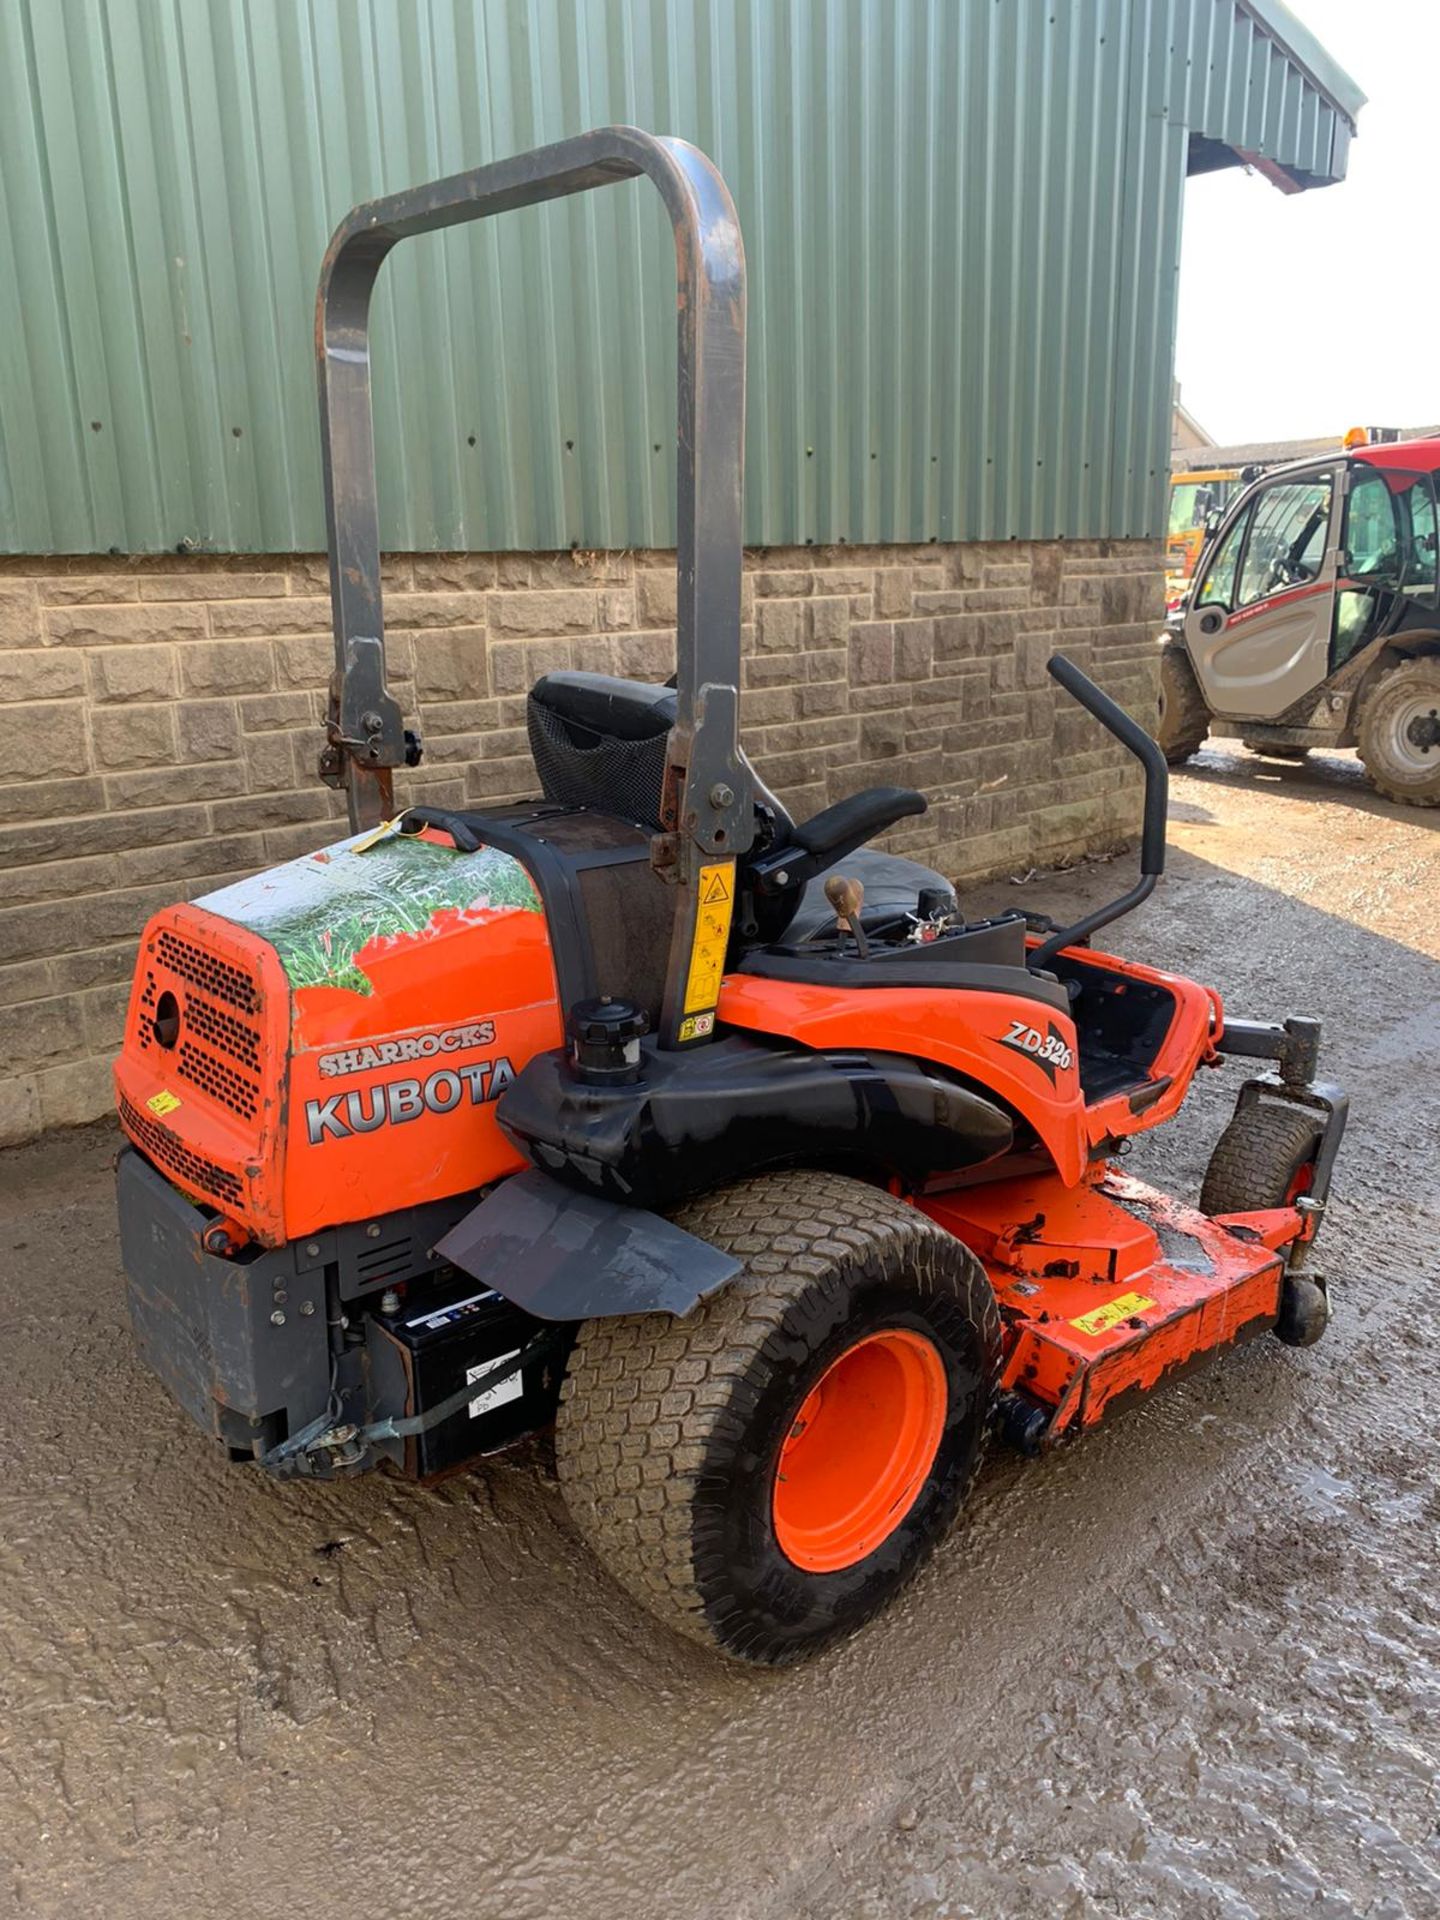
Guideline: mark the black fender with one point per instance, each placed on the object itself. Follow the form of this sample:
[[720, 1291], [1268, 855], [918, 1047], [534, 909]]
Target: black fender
[[565, 1255], [582, 1233], [697, 1120]]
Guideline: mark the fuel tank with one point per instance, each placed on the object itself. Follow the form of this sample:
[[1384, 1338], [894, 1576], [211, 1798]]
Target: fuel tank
[[325, 1042]]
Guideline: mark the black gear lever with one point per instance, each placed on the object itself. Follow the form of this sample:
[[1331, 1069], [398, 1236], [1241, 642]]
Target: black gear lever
[[847, 897]]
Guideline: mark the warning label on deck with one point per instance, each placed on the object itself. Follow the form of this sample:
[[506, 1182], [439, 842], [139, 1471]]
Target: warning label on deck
[[712, 935], [1102, 1319]]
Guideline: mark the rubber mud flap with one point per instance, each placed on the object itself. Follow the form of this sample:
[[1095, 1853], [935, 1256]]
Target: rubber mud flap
[[565, 1255]]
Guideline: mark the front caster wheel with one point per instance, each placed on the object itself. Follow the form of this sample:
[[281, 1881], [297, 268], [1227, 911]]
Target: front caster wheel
[[1264, 1158], [767, 1473]]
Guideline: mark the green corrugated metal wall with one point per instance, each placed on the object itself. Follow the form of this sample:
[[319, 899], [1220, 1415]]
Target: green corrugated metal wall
[[962, 220]]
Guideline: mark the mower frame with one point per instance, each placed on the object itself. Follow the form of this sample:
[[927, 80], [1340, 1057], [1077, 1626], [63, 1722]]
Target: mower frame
[[908, 1151]]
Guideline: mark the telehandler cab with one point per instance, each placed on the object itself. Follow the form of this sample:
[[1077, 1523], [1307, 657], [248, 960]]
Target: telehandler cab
[[726, 1146], [1313, 619]]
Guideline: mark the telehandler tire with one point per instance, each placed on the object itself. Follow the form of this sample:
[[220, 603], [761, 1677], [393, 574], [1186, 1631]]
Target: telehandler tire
[[766, 1473], [1184, 717], [1398, 743]]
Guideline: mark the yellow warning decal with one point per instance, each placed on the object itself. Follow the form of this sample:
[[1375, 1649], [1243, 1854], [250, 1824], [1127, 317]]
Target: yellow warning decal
[[712, 936], [163, 1102], [1101, 1319], [695, 1026]]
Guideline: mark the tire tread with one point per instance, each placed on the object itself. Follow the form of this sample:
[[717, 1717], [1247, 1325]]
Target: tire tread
[[646, 1395], [1422, 667], [1255, 1157], [1185, 722]]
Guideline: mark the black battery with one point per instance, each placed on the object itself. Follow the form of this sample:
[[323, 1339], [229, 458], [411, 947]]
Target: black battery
[[443, 1340]]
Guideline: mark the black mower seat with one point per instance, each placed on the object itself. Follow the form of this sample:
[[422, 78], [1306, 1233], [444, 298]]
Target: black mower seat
[[608, 707], [892, 884], [599, 741]]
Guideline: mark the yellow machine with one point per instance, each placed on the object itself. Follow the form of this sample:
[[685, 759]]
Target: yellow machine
[[1194, 496]]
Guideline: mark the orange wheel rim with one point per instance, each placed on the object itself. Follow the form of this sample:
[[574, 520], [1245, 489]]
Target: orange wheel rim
[[860, 1448]]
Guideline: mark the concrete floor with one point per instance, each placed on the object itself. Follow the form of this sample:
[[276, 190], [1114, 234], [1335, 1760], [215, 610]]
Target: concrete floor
[[1189, 1667]]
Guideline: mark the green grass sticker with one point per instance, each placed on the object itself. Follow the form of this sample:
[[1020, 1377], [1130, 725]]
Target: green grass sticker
[[321, 911]]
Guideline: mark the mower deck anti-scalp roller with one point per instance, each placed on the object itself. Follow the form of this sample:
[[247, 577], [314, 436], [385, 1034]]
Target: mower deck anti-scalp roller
[[725, 1143]]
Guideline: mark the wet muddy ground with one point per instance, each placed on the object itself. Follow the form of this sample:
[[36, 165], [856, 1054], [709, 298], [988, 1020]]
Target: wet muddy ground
[[1190, 1667]]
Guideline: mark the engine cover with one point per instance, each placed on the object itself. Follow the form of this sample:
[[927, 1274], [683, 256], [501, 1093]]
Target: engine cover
[[325, 1042]]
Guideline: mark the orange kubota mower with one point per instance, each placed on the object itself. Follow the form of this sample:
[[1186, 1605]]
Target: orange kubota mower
[[727, 1147]]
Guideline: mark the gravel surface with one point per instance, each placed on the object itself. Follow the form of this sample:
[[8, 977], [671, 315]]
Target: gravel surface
[[1187, 1667]]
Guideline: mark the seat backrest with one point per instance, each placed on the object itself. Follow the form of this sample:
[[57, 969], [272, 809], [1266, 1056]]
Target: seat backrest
[[599, 741]]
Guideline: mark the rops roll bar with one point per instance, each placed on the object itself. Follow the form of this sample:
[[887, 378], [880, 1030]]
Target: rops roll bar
[[707, 802]]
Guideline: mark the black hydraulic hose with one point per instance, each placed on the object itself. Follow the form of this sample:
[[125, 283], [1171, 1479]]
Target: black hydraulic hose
[[1147, 751]]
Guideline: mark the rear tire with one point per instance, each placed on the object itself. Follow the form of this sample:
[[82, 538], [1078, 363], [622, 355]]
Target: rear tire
[[670, 1432], [1403, 705], [1184, 717]]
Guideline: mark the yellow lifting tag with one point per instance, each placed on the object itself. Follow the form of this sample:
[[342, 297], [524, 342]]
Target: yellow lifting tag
[[713, 910]]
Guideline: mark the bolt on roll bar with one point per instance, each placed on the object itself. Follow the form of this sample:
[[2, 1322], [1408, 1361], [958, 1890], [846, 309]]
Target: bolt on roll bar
[[707, 801]]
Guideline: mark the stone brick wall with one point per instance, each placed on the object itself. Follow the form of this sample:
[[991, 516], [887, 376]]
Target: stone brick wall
[[162, 721]]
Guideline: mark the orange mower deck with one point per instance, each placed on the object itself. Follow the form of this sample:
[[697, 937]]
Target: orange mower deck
[[1106, 1289]]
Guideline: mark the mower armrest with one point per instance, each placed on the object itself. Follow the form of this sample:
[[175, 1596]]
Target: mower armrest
[[850, 823], [829, 835]]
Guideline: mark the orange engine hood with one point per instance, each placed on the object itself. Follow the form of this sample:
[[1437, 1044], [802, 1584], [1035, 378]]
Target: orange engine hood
[[326, 1041]]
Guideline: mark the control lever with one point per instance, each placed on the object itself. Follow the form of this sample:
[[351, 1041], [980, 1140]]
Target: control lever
[[847, 897]]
